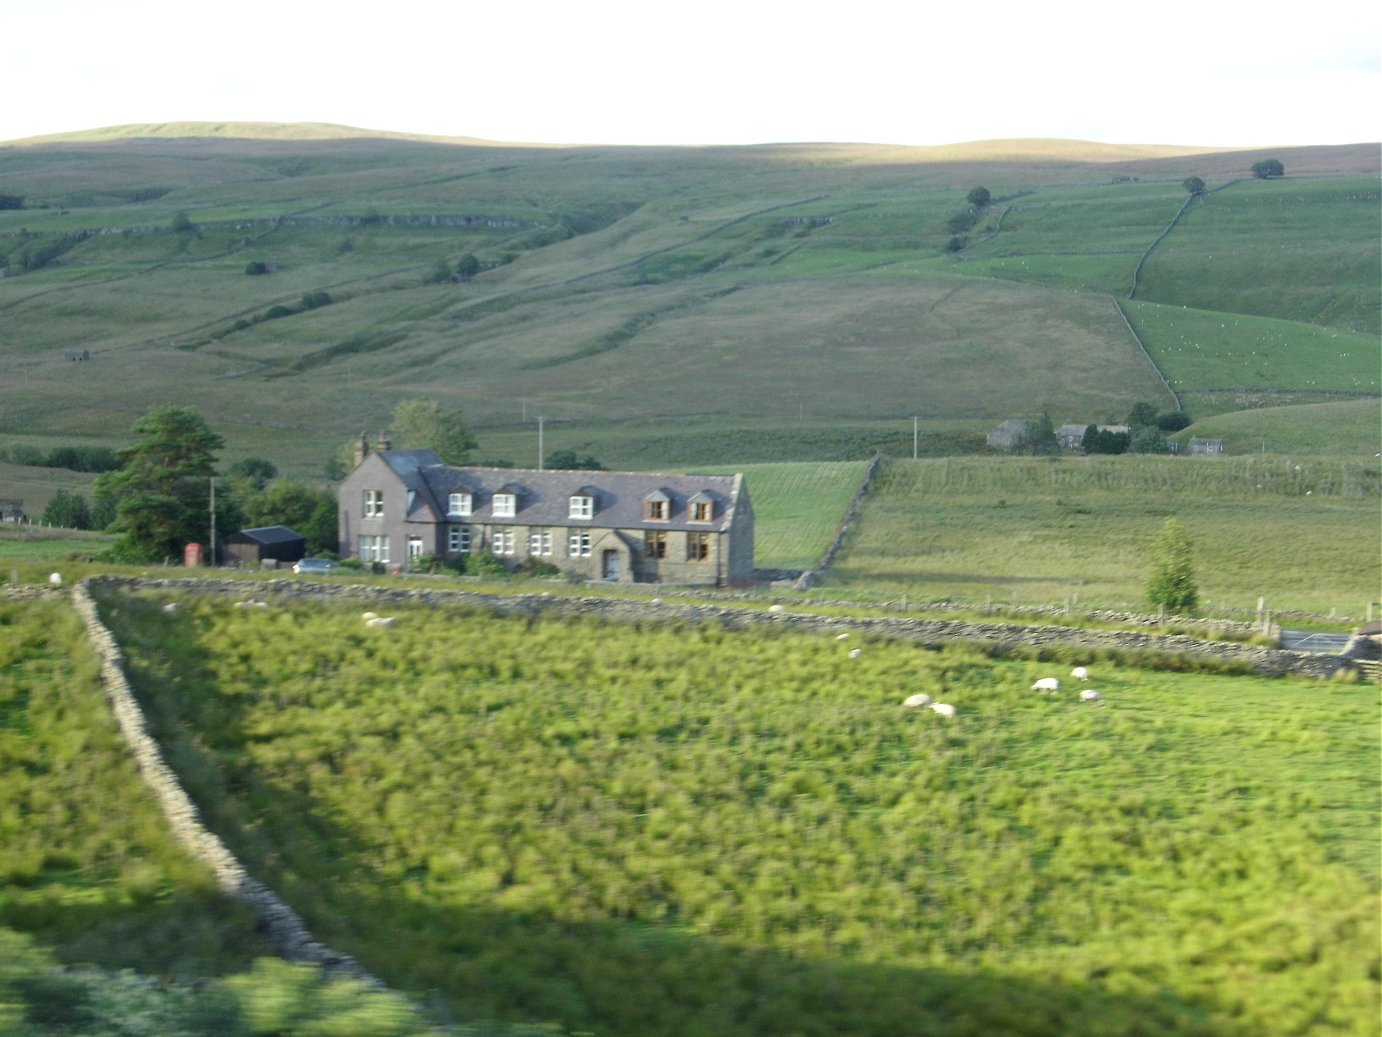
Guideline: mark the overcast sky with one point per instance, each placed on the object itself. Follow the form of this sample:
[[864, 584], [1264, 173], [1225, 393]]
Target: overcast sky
[[1213, 72]]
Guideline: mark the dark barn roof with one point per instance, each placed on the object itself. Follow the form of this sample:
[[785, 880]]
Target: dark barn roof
[[270, 535]]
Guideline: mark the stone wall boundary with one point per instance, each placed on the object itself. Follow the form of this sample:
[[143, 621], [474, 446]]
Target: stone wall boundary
[[808, 578], [998, 638], [285, 929]]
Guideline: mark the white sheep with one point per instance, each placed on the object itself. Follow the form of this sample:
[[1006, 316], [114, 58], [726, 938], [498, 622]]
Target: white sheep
[[381, 621], [367, 616], [1090, 695], [172, 606], [917, 701], [854, 653], [55, 579], [1046, 684], [842, 637], [945, 709], [1080, 673], [777, 608]]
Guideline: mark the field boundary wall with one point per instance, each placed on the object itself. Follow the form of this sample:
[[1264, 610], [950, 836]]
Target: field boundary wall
[[806, 579], [285, 929], [998, 638]]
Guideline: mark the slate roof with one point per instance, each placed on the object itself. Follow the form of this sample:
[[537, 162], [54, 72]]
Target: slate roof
[[270, 535], [544, 497]]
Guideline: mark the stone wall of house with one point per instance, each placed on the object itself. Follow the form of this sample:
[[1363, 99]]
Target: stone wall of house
[[282, 925], [1000, 638]]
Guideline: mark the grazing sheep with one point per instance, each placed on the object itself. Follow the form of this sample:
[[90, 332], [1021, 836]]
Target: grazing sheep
[[1080, 673], [381, 621], [367, 616], [55, 579], [945, 709], [1046, 684], [917, 701], [777, 608], [842, 637], [172, 606], [855, 653], [1090, 695]]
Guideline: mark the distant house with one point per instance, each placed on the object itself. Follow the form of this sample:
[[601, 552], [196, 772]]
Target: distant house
[[625, 527], [12, 510], [77, 354], [1071, 437], [1206, 446], [263, 543], [1010, 435]]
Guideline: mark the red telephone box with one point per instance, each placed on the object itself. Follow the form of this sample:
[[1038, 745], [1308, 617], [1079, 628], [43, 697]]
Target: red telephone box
[[192, 555]]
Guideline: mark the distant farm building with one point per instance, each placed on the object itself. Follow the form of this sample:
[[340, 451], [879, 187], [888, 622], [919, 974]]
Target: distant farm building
[[12, 510], [77, 354], [1010, 435], [1206, 446], [277, 544]]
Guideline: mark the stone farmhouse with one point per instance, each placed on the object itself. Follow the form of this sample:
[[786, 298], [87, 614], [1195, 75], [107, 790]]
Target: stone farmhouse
[[624, 527]]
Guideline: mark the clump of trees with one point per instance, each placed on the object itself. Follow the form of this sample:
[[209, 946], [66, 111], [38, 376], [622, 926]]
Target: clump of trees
[[1193, 184], [1268, 169], [566, 460], [73, 458], [420, 424]]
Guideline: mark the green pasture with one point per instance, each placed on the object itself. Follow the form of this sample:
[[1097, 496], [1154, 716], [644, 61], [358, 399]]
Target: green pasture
[[1248, 359], [1347, 428], [1300, 532], [676, 829], [1299, 250]]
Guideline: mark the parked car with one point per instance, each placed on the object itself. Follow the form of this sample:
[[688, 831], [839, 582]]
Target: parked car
[[315, 565]]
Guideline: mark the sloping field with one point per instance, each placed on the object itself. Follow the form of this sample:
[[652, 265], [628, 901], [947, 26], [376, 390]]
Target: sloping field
[[676, 829], [1301, 533], [781, 284]]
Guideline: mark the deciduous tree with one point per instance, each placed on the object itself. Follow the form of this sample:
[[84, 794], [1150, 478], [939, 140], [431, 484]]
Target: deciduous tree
[[1171, 582], [1268, 168], [422, 423]]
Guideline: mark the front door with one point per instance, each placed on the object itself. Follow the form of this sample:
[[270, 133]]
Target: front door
[[610, 567]]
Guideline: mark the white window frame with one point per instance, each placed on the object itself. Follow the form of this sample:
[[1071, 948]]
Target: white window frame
[[374, 548], [540, 543], [374, 504], [578, 543], [415, 547], [582, 507], [501, 542], [505, 505], [458, 540], [458, 504]]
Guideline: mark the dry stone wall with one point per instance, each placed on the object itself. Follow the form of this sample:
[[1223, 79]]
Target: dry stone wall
[[282, 925], [1000, 638]]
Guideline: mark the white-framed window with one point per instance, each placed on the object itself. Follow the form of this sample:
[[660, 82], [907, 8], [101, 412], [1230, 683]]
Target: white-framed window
[[582, 507], [415, 547], [702, 511], [458, 504], [505, 505], [374, 504], [540, 542], [374, 548], [502, 542], [578, 544], [458, 540]]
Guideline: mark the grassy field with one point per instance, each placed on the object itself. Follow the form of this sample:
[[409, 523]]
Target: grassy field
[[636, 294], [673, 829], [1302, 533]]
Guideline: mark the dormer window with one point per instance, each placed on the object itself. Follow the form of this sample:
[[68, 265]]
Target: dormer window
[[505, 505], [657, 507], [701, 508], [582, 506], [458, 504]]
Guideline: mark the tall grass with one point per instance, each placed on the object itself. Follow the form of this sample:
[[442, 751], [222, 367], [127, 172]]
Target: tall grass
[[657, 829]]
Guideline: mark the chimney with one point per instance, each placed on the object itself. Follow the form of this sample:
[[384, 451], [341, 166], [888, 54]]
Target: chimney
[[385, 443], [361, 449]]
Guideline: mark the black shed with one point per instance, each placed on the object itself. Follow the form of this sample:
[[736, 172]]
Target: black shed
[[253, 546]]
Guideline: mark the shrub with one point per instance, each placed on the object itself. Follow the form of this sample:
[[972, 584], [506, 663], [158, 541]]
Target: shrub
[[1268, 169], [979, 197], [255, 267], [486, 564]]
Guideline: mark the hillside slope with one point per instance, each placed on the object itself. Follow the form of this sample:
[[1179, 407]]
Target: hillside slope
[[787, 283]]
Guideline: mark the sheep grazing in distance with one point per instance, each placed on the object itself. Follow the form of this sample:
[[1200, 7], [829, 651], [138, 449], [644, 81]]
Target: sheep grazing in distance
[[251, 603], [1090, 695], [842, 637], [381, 621], [854, 653], [172, 606], [777, 608], [55, 579], [1080, 673], [917, 701], [1046, 684], [945, 709], [367, 616]]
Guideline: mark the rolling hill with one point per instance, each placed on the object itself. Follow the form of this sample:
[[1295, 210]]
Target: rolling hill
[[651, 299]]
